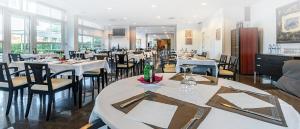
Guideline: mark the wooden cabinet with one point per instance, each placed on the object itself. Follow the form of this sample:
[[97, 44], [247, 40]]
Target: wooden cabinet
[[244, 45], [271, 65]]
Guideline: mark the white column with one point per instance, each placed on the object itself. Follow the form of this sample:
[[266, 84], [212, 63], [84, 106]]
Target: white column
[[71, 33]]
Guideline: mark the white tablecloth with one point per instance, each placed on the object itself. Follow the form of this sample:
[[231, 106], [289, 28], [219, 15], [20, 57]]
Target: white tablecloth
[[80, 68], [39, 55], [136, 57], [199, 95], [195, 61]]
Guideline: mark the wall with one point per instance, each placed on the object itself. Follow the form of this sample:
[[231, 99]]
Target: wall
[[123, 42], [208, 34], [180, 37], [263, 16]]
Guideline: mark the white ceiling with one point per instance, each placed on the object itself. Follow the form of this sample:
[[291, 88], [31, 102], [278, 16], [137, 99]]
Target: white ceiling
[[145, 12]]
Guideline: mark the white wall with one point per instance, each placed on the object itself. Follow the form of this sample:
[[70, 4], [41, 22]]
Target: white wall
[[208, 34], [180, 37], [264, 16], [122, 41]]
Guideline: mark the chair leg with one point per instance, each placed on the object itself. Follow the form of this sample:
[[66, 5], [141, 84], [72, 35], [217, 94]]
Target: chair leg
[[117, 73], [22, 93], [16, 94], [93, 87], [10, 97], [50, 100], [102, 81], [98, 84], [74, 95], [127, 71], [29, 103]]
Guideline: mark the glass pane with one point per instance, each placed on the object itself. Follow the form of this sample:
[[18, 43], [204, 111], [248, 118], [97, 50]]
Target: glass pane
[[19, 34], [48, 36], [16, 4], [49, 32], [1, 35]]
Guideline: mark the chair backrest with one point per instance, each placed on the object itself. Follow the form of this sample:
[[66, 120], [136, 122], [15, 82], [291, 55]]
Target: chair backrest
[[5, 75], [100, 57], [204, 54], [121, 59], [14, 57], [79, 55], [232, 65], [72, 54], [41, 74], [223, 59]]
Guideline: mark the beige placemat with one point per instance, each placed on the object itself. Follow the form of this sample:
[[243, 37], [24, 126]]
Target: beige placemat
[[182, 116], [274, 112], [213, 80]]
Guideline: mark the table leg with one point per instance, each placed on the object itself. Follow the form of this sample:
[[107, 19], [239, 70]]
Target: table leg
[[79, 81]]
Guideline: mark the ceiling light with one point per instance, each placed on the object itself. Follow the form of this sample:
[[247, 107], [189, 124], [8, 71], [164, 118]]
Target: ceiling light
[[153, 6], [109, 9], [204, 4], [134, 23], [158, 17], [125, 18]]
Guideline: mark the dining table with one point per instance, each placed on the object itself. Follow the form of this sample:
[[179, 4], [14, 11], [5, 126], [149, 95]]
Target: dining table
[[198, 95], [80, 66], [197, 61]]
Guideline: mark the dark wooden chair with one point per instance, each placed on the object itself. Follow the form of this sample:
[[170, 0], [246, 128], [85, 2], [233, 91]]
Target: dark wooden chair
[[46, 84], [72, 54], [229, 70], [97, 73], [14, 57], [10, 83], [222, 61], [124, 63]]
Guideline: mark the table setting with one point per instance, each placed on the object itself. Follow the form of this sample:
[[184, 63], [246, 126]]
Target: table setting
[[168, 104]]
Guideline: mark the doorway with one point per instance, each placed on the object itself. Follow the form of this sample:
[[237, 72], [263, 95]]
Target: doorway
[[163, 44]]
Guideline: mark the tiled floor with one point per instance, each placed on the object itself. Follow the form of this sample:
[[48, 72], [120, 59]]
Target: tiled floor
[[66, 116]]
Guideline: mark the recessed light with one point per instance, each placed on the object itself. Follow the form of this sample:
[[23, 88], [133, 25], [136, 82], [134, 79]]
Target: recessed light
[[158, 17], [134, 23], [109, 9], [125, 18], [204, 4], [153, 6]]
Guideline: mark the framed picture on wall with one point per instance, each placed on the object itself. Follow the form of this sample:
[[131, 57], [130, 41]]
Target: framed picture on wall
[[188, 37], [188, 41], [288, 23]]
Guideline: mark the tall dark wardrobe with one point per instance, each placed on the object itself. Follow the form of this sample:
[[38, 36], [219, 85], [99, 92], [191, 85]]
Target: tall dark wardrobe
[[244, 45]]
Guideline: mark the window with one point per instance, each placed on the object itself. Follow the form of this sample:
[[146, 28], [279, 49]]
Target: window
[[44, 10], [19, 34], [49, 36], [1, 34], [89, 38]]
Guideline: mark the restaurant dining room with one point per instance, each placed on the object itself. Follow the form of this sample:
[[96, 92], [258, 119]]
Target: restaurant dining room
[[149, 64]]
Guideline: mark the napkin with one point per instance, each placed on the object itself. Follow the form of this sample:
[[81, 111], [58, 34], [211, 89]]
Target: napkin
[[200, 79], [153, 113], [244, 100]]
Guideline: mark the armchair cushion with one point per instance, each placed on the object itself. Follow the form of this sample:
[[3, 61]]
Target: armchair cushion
[[226, 72], [56, 84], [17, 81], [125, 65]]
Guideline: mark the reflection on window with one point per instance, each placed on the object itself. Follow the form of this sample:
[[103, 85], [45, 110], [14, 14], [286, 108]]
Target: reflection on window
[[19, 34], [49, 36], [90, 39]]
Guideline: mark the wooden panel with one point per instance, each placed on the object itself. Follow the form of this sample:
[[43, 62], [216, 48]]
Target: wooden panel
[[248, 49]]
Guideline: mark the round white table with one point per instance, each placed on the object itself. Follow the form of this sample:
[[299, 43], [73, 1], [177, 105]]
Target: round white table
[[199, 95]]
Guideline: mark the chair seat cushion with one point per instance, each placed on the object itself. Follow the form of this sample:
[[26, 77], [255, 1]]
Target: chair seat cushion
[[226, 72], [17, 81], [92, 72], [56, 84], [125, 65]]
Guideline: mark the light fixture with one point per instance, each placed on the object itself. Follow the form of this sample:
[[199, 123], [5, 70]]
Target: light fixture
[[125, 18], [153, 6], [109, 9], [158, 17], [204, 4]]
